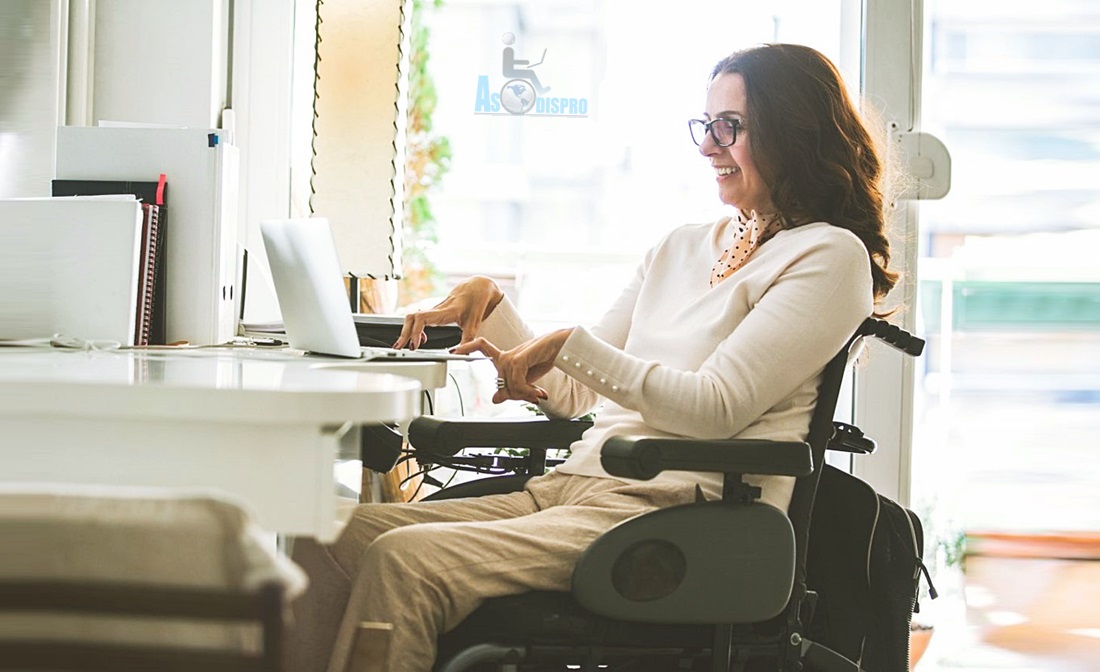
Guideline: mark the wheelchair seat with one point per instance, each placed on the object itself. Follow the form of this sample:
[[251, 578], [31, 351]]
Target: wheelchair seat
[[669, 589]]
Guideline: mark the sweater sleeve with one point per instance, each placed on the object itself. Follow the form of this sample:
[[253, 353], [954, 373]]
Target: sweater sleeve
[[802, 320]]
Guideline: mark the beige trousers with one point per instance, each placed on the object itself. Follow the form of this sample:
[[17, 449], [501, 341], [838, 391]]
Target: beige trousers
[[424, 567]]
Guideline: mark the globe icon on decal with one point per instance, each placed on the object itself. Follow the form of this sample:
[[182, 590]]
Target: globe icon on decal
[[517, 96]]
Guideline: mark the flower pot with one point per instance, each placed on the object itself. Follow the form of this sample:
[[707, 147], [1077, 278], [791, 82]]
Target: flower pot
[[919, 637]]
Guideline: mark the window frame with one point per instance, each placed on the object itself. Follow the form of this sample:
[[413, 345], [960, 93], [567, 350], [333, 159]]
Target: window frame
[[883, 393]]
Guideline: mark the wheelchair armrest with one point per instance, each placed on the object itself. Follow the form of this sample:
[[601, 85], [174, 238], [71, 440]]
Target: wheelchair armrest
[[645, 457], [448, 436]]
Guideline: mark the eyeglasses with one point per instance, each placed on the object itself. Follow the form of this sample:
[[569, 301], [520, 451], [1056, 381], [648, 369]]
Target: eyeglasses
[[724, 131]]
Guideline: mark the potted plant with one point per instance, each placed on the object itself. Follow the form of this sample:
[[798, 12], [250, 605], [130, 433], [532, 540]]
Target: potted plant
[[945, 550]]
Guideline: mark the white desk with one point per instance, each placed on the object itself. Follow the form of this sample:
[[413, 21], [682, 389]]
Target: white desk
[[263, 425]]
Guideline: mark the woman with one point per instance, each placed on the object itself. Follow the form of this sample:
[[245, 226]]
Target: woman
[[723, 332]]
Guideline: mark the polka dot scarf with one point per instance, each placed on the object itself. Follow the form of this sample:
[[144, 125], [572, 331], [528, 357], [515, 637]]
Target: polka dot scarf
[[749, 235]]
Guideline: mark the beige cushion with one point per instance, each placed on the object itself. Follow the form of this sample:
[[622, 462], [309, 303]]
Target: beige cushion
[[142, 536]]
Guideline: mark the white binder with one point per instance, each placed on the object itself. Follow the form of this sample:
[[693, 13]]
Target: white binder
[[202, 233], [69, 266]]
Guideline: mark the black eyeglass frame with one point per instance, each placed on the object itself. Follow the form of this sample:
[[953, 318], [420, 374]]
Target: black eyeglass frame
[[708, 127]]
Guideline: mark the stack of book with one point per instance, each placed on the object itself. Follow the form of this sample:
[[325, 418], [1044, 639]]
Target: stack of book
[[151, 300], [87, 263]]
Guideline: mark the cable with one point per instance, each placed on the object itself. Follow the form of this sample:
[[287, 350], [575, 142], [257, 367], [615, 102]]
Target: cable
[[422, 472], [409, 476], [416, 493], [408, 456], [446, 485], [458, 391], [62, 342]]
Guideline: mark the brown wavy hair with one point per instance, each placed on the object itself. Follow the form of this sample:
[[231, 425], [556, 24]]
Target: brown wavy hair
[[812, 147]]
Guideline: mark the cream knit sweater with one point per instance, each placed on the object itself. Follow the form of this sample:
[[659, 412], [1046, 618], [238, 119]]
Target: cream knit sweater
[[676, 357]]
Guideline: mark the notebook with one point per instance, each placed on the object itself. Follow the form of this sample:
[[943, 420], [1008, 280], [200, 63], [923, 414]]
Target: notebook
[[71, 266], [311, 295]]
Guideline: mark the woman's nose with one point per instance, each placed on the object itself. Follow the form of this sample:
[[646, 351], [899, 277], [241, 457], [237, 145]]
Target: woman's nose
[[708, 147]]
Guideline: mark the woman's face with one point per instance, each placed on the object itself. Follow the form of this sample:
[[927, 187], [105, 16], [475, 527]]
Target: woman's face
[[739, 183]]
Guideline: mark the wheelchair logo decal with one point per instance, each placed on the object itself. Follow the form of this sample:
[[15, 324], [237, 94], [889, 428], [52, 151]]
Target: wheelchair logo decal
[[523, 91]]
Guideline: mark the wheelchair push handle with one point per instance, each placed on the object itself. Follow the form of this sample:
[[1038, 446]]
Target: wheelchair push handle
[[892, 335]]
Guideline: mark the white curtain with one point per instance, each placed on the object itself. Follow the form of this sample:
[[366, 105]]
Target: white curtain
[[359, 130]]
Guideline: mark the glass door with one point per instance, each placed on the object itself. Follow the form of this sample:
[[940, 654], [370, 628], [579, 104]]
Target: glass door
[[1007, 418]]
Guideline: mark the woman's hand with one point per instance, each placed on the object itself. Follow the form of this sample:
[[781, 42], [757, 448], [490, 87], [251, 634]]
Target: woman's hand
[[468, 305], [520, 367]]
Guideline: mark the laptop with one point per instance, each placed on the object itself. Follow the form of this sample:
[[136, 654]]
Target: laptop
[[311, 294]]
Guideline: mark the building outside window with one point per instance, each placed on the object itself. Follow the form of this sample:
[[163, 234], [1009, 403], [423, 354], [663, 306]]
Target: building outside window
[[1008, 406]]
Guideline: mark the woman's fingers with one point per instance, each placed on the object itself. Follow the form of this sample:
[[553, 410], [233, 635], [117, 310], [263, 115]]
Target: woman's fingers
[[469, 324], [409, 330], [519, 368], [532, 396], [479, 344], [468, 305], [412, 332], [511, 369]]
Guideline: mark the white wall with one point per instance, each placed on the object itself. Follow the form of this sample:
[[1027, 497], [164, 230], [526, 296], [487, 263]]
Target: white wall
[[181, 63], [261, 96], [31, 97], [160, 61]]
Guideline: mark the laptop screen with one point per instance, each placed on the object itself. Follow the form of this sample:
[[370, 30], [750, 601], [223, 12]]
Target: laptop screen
[[309, 286]]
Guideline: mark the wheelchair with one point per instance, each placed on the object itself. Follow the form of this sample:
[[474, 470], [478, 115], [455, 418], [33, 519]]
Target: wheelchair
[[713, 585]]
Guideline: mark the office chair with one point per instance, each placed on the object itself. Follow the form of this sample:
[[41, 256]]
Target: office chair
[[127, 579], [716, 585]]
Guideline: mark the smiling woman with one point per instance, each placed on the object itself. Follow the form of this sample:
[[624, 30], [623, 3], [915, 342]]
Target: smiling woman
[[739, 181], [738, 357]]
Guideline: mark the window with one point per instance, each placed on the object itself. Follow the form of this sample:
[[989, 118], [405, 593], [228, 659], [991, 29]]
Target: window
[[1008, 395], [1010, 291], [565, 198], [30, 111]]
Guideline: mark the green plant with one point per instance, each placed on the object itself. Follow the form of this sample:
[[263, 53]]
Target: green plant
[[951, 547], [428, 157], [944, 540]]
